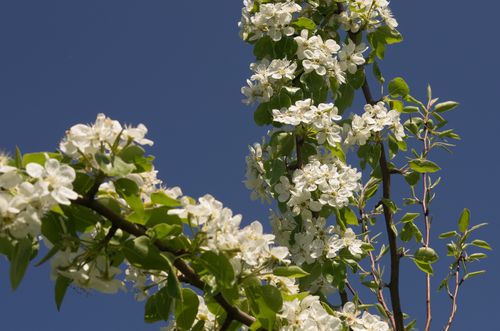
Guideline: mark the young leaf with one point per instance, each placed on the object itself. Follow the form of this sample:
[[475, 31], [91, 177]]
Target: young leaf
[[423, 166], [481, 244], [398, 87], [19, 261], [475, 273], [464, 220], [185, 311], [445, 106], [60, 288], [290, 272]]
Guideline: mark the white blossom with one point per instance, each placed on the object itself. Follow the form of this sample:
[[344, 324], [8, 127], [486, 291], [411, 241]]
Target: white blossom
[[58, 179], [272, 19], [351, 56], [374, 119]]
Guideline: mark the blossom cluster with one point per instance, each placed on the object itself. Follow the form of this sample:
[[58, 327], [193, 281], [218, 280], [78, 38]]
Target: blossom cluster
[[87, 266], [267, 19], [268, 76], [316, 242], [368, 14], [104, 136], [320, 118], [332, 183], [256, 174], [222, 233], [374, 119], [26, 195]]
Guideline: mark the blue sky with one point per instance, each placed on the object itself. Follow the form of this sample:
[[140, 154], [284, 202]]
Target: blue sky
[[177, 67]]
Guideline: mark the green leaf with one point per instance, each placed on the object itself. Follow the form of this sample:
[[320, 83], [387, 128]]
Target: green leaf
[[409, 231], [410, 109], [423, 166], [426, 255], [164, 231], [412, 178], [409, 217], [6, 247], [464, 220], [398, 87], [285, 48], [19, 158], [481, 244], [117, 167], [186, 310], [475, 273], [60, 288], [158, 307], [174, 288], [357, 79], [83, 183], [263, 114], [425, 267], [445, 106], [349, 216], [129, 190], [264, 48], [39, 158], [476, 257], [282, 143], [220, 267], [344, 98], [20, 259], [278, 169], [161, 198], [377, 73], [290, 272], [448, 234], [304, 23], [272, 297], [52, 228], [143, 254]]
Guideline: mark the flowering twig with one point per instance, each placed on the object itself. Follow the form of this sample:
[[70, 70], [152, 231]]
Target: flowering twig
[[190, 275]]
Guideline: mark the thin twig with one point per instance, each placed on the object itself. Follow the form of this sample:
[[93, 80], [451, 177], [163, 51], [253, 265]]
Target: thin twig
[[454, 298]]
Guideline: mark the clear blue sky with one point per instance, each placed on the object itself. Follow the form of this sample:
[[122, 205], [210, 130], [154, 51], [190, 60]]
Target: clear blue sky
[[177, 66]]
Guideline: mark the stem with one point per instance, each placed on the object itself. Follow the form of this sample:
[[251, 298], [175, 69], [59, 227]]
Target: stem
[[189, 274], [375, 272], [454, 298], [425, 209]]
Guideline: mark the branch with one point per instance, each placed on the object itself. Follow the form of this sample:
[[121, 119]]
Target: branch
[[227, 323], [426, 191], [189, 275], [454, 298], [393, 246], [375, 272]]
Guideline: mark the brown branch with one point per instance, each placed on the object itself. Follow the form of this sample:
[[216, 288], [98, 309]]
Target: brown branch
[[343, 297], [391, 234], [227, 323], [189, 275], [393, 246]]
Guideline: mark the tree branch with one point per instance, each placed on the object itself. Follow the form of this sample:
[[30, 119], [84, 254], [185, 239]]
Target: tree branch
[[391, 233], [189, 274]]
